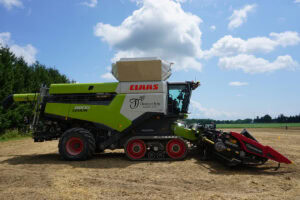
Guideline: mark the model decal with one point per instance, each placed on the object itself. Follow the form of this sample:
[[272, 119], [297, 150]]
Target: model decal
[[81, 108]]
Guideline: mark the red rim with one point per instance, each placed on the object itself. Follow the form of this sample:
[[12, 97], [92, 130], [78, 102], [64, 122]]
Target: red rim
[[74, 146], [136, 149], [176, 148]]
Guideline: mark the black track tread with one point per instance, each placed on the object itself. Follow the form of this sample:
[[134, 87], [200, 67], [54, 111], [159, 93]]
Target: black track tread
[[161, 138], [87, 136]]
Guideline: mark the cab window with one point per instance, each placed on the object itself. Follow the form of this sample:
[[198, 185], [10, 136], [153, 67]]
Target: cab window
[[178, 98]]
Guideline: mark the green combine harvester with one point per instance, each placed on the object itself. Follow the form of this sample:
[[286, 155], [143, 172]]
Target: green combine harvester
[[138, 113]]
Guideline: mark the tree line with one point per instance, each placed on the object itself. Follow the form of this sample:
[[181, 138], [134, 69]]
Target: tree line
[[17, 77], [264, 119]]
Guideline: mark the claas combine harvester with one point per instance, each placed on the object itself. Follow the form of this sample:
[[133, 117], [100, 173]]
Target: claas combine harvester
[[140, 114]]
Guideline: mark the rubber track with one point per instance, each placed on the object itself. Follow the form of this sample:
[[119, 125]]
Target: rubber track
[[158, 138], [88, 137]]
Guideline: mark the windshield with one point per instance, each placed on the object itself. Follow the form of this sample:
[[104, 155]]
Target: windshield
[[179, 98]]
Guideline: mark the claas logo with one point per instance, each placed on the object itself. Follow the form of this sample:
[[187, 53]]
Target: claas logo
[[144, 87]]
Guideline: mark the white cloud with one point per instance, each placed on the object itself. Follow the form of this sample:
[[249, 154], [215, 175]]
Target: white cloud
[[240, 16], [286, 38], [181, 1], [297, 1], [228, 45], [237, 83], [28, 52], [90, 3], [108, 76], [4, 38], [213, 27], [158, 28], [252, 64], [9, 4], [198, 111]]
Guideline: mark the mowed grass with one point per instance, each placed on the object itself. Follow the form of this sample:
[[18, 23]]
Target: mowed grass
[[259, 125]]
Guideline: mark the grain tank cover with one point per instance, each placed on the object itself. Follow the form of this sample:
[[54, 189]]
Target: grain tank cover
[[141, 69]]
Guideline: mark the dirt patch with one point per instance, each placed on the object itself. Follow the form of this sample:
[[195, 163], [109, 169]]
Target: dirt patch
[[35, 171]]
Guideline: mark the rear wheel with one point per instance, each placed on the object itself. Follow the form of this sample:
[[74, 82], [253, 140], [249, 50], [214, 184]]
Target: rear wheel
[[135, 149], [77, 144], [176, 149]]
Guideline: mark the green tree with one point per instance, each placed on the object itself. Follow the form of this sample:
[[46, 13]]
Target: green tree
[[16, 76]]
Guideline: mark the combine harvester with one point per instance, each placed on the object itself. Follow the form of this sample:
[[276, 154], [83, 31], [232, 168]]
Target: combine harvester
[[139, 114]]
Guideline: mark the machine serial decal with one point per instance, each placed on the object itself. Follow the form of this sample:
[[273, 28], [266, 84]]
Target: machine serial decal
[[81, 108], [144, 87]]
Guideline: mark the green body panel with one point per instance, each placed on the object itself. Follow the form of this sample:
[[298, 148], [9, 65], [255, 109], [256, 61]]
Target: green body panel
[[186, 133], [108, 115], [25, 97], [60, 109], [77, 88]]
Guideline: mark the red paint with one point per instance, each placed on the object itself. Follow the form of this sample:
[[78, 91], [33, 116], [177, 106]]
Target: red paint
[[144, 87], [149, 87], [176, 148], [136, 149], [74, 146], [131, 87], [268, 152]]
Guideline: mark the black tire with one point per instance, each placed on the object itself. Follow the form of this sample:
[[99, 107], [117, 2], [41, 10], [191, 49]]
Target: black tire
[[77, 144], [98, 150]]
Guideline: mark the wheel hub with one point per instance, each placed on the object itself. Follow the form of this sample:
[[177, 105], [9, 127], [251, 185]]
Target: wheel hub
[[176, 148], [136, 148], [74, 146]]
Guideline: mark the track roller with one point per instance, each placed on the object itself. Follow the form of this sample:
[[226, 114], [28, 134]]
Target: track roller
[[176, 149], [156, 148], [135, 149]]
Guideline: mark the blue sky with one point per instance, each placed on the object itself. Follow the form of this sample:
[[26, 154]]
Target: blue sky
[[244, 53]]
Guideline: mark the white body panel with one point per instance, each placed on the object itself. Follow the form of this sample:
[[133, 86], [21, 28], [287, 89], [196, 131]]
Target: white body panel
[[135, 105]]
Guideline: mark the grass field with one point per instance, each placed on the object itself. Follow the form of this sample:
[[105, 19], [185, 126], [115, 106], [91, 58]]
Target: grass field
[[259, 125], [13, 135]]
